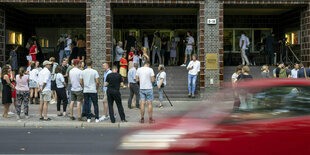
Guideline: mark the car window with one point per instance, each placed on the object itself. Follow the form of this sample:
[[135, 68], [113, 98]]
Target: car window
[[276, 102]]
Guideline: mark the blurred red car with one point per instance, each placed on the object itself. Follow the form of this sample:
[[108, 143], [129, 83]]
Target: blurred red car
[[273, 118]]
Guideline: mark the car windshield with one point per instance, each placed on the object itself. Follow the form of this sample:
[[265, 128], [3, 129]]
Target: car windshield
[[247, 104]]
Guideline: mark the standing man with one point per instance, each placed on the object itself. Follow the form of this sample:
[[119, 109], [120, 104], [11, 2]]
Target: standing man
[[130, 42], [68, 43], [89, 81], [145, 43], [45, 89], [270, 43], [76, 89], [118, 54], [113, 82], [303, 72], [294, 71], [194, 69], [133, 86], [145, 75], [164, 48], [243, 44], [107, 71], [61, 47], [189, 42]]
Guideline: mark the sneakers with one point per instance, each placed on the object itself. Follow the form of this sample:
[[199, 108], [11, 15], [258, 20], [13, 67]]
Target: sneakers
[[103, 118], [88, 120], [183, 65], [27, 116], [11, 113], [97, 121], [52, 101]]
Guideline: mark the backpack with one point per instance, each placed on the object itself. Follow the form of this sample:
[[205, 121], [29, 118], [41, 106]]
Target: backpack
[[282, 73]]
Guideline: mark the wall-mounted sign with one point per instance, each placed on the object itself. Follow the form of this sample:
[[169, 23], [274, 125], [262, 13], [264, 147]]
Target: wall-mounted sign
[[211, 61], [211, 21]]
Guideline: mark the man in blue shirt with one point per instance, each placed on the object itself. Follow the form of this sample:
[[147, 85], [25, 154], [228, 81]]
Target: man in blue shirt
[[107, 71], [133, 86], [303, 72]]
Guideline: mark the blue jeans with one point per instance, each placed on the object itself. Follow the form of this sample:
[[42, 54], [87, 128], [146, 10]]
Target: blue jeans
[[84, 107], [61, 55], [69, 92], [161, 95], [67, 53], [94, 99], [191, 83]]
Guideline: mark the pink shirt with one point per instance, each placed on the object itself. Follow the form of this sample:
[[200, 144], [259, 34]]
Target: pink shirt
[[22, 83]]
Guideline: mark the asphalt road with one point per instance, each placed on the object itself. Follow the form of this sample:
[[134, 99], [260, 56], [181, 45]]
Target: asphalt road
[[58, 141]]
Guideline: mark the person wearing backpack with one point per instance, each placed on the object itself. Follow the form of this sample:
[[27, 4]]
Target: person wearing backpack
[[281, 71]]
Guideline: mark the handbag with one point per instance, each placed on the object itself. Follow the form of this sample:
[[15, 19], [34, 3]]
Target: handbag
[[155, 83]]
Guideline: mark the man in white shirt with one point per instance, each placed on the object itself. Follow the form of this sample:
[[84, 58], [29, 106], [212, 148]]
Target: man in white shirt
[[45, 89], [243, 44], [68, 46], [190, 42], [145, 75], [194, 69], [294, 72], [89, 80], [76, 88]]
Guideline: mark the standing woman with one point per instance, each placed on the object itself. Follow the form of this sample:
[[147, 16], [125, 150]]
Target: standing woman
[[161, 83], [156, 47], [33, 83], [7, 90], [173, 51], [22, 92], [144, 57], [61, 91], [33, 50], [12, 78], [81, 45]]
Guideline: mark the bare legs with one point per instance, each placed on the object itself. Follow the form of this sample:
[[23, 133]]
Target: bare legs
[[43, 109], [6, 110], [33, 95], [78, 109], [142, 110]]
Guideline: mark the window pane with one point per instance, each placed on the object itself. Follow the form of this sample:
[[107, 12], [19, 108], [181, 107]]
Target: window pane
[[238, 33], [259, 36], [278, 102], [228, 40]]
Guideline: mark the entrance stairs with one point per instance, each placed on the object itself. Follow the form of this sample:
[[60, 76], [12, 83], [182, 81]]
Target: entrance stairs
[[176, 88]]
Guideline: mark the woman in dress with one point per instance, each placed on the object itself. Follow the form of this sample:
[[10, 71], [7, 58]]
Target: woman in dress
[[12, 78], [33, 84], [173, 51], [144, 57], [33, 50], [7, 90]]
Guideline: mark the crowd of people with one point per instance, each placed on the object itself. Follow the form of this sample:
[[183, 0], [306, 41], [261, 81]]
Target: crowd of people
[[242, 73]]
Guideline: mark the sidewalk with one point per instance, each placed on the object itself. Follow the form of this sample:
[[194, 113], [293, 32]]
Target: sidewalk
[[132, 116]]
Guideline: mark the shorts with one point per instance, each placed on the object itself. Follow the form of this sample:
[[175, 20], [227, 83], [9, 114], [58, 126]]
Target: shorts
[[123, 72], [77, 96], [46, 96], [105, 97], [33, 84], [146, 94], [67, 53], [188, 51]]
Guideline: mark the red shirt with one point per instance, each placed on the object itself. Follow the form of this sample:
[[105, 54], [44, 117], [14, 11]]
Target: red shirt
[[131, 55], [32, 50], [123, 61]]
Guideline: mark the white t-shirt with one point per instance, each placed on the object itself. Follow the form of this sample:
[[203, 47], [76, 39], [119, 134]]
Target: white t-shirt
[[33, 75], [45, 77], [234, 76], [159, 76], [190, 40], [74, 76], [196, 67], [89, 77], [145, 77], [59, 80], [246, 42], [69, 41]]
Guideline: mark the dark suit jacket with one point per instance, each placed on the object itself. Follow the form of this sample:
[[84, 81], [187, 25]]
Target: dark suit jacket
[[301, 73]]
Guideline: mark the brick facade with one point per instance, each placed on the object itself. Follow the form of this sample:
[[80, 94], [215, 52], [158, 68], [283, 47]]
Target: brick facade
[[305, 33]]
